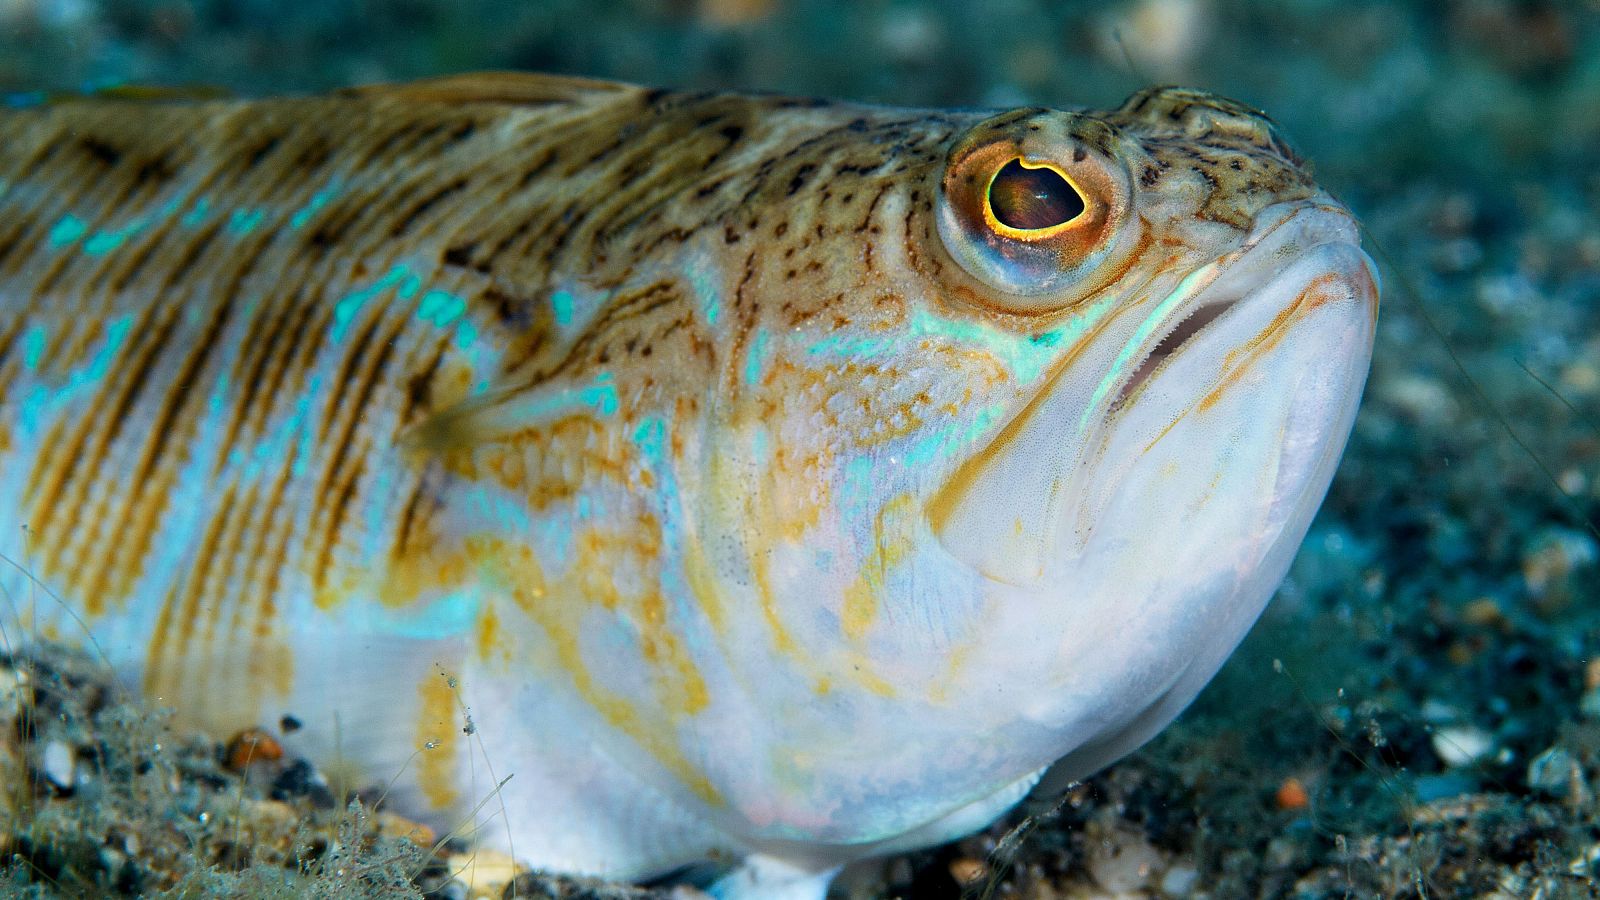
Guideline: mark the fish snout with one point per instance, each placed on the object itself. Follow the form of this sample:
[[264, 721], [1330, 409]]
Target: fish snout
[[1238, 405]]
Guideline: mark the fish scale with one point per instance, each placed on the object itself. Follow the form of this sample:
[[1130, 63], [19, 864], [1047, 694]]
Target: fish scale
[[669, 436]]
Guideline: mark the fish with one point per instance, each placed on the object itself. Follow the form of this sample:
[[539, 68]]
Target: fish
[[661, 480]]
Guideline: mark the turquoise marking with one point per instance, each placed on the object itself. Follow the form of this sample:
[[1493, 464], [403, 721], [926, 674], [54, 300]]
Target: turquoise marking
[[42, 401], [244, 221], [102, 242], [196, 214], [562, 302], [466, 334], [944, 441], [33, 344], [603, 395], [218, 397], [1025, 357], [450, 615], [409, 286], [1194, 282], [5, 187], [600, 395], [859, 473], [441, 308], [116, 334], [651, 438], [67, 231], [321, 198], [296, 427], [705, 287], [344, 312], [756, 358]]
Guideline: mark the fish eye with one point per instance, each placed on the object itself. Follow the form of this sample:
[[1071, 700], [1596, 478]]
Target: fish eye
[[1027, 197], [1036, 208]]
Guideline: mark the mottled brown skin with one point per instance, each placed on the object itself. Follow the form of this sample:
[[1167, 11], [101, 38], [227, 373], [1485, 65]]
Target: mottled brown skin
[[498, 182], [497, 189]]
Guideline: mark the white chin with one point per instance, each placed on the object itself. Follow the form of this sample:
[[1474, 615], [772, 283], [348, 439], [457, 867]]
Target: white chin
[[1202, 489]]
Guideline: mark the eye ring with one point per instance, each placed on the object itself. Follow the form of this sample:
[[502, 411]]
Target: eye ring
[[1036, 200], [1037, 209]]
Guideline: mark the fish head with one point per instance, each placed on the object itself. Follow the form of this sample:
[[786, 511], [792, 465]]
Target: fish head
[[1022, 485]]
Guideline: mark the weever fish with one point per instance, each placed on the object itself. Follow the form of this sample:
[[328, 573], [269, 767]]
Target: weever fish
[[760, 480]]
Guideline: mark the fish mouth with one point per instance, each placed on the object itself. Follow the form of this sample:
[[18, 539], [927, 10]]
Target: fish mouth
[[1205, 300], [1256, 361], [1045, 481]]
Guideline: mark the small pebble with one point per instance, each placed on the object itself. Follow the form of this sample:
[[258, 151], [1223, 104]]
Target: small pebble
[[299, 779], [1556, 773], [1291, 794], [1122, 861], [251, 746], [1460, 745], [1586, 865], [59, 765], [1554, 554], [400, 827], [1437, 712], [15, 693], [1180, 881], [1589, 704], [967, 870], [484, 872], [1484, 611]]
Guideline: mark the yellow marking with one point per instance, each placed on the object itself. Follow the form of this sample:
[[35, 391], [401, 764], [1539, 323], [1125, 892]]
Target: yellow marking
[[1234, 368], [618, 711], [678, 680], [703, 583], [438, 733], [422, 571], [781, 639], [955, 661], [868, 679], [490, 643], [892, 541], [681, 690]]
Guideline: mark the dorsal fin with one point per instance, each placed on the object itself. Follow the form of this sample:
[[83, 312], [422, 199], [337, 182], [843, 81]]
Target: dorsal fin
[[514, 88]]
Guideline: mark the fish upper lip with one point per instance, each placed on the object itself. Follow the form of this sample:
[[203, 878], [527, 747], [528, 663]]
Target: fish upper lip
[[1227, 281]]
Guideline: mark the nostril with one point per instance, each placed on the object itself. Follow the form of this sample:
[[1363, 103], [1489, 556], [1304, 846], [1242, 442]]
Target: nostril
[[1191, 325]]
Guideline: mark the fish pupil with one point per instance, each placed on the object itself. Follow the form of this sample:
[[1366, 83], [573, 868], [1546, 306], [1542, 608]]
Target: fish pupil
[[1030, 199]]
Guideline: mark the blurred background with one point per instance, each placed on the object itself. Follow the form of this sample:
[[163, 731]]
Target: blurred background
[[1424, 695]]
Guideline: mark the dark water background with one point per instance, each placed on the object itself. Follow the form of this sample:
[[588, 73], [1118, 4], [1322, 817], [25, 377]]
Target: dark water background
[[1440, 633]]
